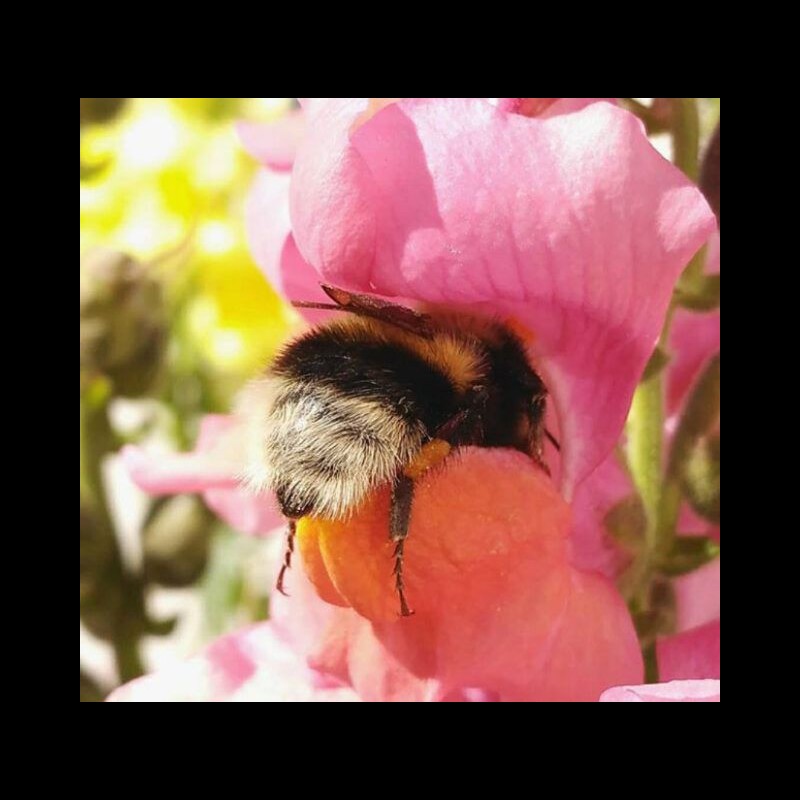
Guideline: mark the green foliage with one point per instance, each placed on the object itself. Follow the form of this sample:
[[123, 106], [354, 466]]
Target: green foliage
[[647, 525]]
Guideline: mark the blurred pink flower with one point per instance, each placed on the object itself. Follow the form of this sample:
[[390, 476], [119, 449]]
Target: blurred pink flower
[[254, 664], [212, 470], [673, 692], [274, 144], [572, 225]]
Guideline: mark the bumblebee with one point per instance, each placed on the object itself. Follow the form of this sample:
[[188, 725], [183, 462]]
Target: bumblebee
[[380, 395]]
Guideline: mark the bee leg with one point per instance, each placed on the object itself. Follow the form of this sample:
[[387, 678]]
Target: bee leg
[[465, 427], [536, 452], [291, 527], [538, 431], [399, 518]]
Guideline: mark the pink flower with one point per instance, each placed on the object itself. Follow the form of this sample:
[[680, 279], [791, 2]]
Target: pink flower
[[517, 569], [489, 572], [212, 469], [674, 692], [572, 225], [251, 665]]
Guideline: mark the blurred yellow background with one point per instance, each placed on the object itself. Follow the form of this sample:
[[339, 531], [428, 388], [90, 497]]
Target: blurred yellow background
[[165, 179]]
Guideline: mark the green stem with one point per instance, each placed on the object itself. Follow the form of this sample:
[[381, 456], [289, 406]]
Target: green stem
[[128, 631], [686, 135], [696, 418], [645, 424], [686, 155], [645, 427], [646, 420], [97, 441], [650, 663]]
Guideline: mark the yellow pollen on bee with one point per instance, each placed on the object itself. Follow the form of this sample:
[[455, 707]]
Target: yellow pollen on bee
[[431, 454]]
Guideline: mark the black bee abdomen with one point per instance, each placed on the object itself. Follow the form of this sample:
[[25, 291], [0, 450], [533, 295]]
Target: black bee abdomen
[[395, 377]]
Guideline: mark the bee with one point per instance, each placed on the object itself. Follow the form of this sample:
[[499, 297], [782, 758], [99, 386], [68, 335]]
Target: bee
[[380, 395]]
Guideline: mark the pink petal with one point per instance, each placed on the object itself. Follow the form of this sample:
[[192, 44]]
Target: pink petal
[[697, 596], [674, 692], [691, 654], [547, 106], [254, 514], [340, 644], [568, 105], [499, 606], [592, 546], [527, 106], [174, 473], [273, 144], [212, 469], [300, 617], [331, 200], [253, 665], [574, 225], [272, 244]]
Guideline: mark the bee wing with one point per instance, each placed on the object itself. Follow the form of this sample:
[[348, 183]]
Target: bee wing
[[366, 306]]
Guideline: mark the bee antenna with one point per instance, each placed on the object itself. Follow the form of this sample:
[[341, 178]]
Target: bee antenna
[[552, 439]]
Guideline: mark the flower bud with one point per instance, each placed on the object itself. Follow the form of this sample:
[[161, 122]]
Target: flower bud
[[123, 325], [175, 541], [701, 478]]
